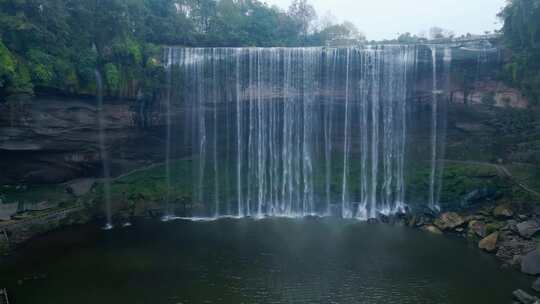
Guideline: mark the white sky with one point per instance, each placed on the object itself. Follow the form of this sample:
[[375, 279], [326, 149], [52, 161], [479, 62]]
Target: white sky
[[383, 19]]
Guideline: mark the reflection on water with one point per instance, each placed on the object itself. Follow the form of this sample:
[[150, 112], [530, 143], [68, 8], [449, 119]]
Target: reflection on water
[[255, 261]]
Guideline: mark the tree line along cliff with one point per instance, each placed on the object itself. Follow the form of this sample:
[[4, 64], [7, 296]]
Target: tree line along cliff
[[53, 47]]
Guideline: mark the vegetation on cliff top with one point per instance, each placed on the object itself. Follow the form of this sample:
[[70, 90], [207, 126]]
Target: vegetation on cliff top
[[56, 44], [522, 36]]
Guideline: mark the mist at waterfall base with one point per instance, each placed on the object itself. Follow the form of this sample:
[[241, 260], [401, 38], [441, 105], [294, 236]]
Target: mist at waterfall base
[[293, 132], [271, 260]]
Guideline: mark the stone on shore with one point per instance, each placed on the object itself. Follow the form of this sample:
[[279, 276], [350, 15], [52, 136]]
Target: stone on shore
[[7, 211], [80, 187], [530, 263], [503, 211], [489, 243], [528, 229], [449, 221]]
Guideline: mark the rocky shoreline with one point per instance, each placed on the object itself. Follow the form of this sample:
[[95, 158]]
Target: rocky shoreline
[[505, 231], [508, 232]]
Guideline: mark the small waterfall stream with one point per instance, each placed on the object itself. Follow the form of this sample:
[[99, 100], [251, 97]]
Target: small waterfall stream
[[433, 204], [103, 151], [438, 125], [168, 121], [293, 120]]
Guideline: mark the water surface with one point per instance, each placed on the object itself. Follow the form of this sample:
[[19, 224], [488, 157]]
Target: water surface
[[250, 261]]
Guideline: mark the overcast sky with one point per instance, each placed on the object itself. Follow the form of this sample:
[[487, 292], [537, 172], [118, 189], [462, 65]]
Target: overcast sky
[[383, 19]]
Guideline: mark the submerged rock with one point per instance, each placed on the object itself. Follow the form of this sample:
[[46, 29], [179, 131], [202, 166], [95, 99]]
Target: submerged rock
[[449, 221], [489, 243], [530, 263], [432, 229], [528, 229], [503, 211], [524, 297], [420, 220]]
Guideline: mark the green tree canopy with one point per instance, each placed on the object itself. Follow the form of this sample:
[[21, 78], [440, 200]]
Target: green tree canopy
[[521, 32]]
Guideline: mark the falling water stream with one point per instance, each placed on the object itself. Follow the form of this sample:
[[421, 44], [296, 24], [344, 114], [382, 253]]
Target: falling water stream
[[292, 114], [433, 205], [103, 152], [168, 66], [438, 126]]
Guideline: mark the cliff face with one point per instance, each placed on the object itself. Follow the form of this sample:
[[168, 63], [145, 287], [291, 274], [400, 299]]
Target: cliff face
[[56, 140], [52, 141]]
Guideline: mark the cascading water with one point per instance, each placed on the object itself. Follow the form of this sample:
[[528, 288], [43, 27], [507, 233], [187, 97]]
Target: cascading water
[[443, 107], [438, 127], [103, 152], [168, 67], [433, 204], [293, 112], [345, 203]]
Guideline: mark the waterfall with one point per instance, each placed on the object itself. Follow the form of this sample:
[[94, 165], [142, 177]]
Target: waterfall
[[447, 60], [201, 109], [294, 111], [103, 151], [328, 124], [215, 101], [345, 208], [433, 204], [168, 66], [438, 127], [375, 107], [239, 127], [361, 212]]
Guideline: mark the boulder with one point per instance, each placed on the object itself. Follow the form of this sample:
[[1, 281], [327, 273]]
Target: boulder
[[511, 225], [510, 245], [477, 228], [432, 229], [528, 229], [449, 221], [419, 220], [489, 243], [7, 211], [80, 187], [515, 261], [530, 263], [524, 297], [503, 211], [479, 196]]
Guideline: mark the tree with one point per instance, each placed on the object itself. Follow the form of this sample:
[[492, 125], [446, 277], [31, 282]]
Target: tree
[[341, 34], [7, 65], [58, 44], [408, 38], [521, 34], [440, 33], [304, 14]]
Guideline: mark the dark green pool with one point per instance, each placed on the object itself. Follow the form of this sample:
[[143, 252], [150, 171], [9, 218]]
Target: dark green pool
[[249, 261]]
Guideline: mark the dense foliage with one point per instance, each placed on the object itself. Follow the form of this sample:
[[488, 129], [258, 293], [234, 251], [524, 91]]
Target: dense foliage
[[57, 44], [522, 35]]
